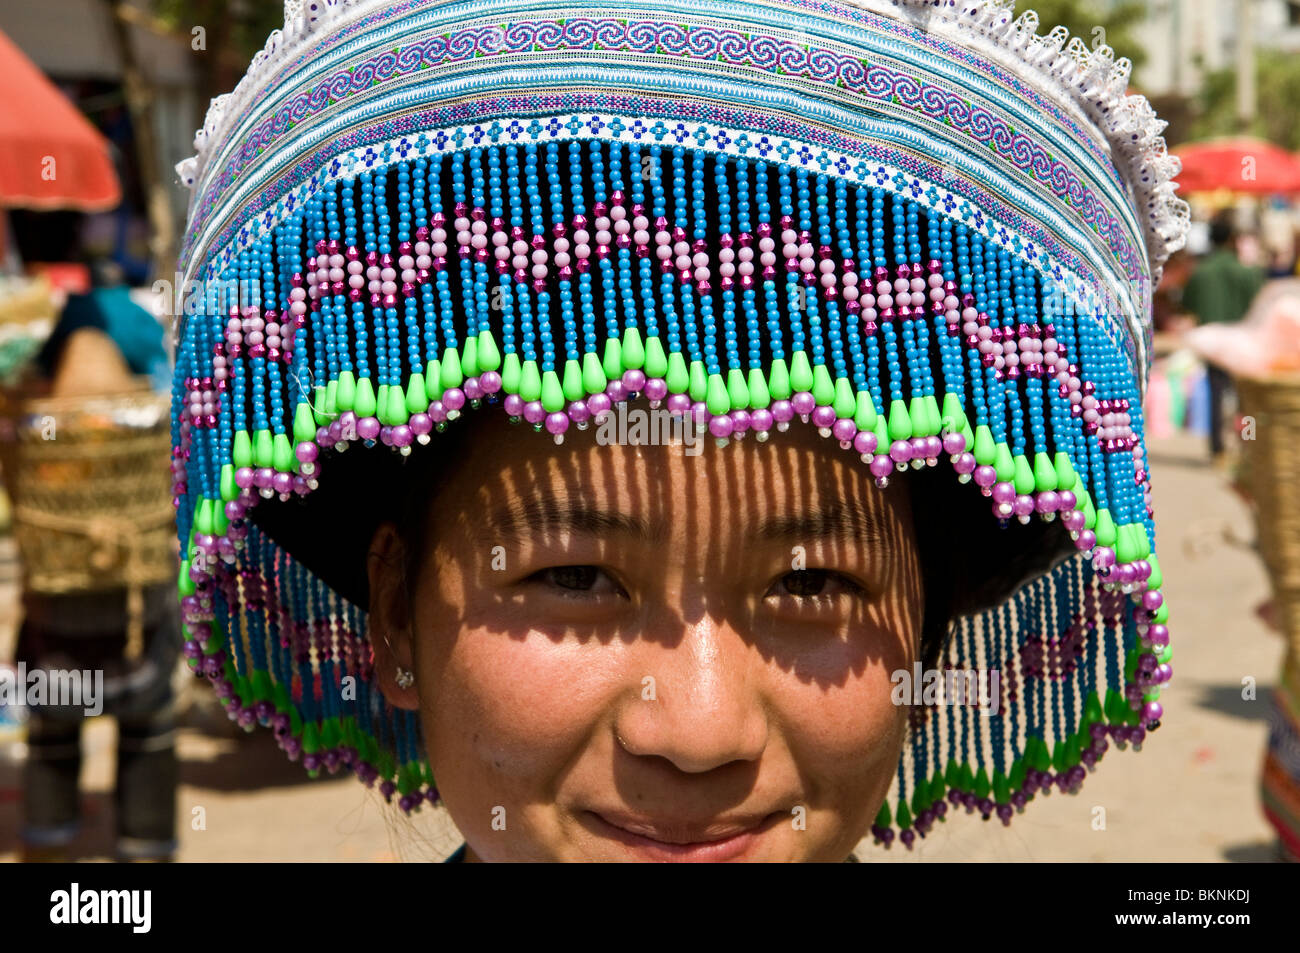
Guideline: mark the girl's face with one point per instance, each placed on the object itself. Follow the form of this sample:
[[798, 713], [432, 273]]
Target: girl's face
[[630, 653]]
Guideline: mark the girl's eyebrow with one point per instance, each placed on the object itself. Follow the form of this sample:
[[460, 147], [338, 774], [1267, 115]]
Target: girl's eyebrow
[[520, 518], [846, 521], [842, 521]]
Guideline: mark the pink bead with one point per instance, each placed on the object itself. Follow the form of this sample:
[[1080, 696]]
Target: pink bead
[[865, 442], [534, 412]]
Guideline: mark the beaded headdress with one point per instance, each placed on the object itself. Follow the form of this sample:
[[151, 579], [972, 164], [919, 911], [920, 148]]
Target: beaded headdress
[[921, 227]]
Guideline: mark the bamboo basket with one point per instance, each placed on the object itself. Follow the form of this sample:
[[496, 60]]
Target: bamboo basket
[[1272, 459], [91, 488]]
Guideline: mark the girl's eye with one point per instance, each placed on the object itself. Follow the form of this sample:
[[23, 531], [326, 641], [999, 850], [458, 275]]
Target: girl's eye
[[588, 580], [807, 583]]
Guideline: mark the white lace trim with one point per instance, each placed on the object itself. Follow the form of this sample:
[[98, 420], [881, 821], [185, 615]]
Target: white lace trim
[[1087, 81]]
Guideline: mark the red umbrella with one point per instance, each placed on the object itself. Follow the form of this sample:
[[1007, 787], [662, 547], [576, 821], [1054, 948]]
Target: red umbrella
[[1240, 165], [51, 157]]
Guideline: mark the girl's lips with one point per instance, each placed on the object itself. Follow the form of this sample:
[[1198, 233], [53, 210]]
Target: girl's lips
[[652, 841]]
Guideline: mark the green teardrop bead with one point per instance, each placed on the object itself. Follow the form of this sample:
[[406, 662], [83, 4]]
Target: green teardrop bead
[[801, 374], [633, 349], [919, 418], [282, 457], [242, 451], [1065, 475], [864, 414], [953, 417], [229, 489], [613, 362], [263, 449], [397, 405], [511, 370], [699, 386], [1126, 546], [737, 389], [900, 423], [381, 406], [985, 449], [573, 389], [433, 380], [778, 380], [489, 357], [656, 362], [823, 388], [758, 393], [1157, 578], [593, 375], [716, 398], [678, 378], [552, 392], [346, 393], [845, 404], [469, 357], [1024, 475], [450, 371], [417, 401], [1004, 463], [331, 401], [1044, 472], [1105, 528], [363, 404], [530, 381], [319, 395]]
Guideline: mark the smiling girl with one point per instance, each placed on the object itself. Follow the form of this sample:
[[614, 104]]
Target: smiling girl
[[892, 259]]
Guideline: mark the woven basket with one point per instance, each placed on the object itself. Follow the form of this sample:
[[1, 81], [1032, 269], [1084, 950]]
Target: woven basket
[[1273, 460], [91, 487]]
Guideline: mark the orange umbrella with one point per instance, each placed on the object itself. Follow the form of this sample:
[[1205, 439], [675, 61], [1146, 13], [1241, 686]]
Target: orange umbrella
[[1239, 165], [51, 157]]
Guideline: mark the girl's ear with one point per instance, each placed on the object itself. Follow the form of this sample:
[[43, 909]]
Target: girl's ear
[[390, 617]]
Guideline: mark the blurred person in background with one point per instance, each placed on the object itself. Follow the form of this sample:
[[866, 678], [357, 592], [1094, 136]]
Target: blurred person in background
[[1220, 290], [103, 344]]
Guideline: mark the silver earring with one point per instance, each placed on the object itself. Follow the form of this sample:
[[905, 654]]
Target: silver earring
[[405, 677]]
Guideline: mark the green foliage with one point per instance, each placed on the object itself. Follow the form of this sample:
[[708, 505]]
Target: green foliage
[[1277, 86], [1096, 23]]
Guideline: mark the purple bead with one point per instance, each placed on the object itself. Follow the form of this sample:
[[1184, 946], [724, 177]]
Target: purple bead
[[1152, 600], [514, 405], [368, 428], [386, 435], [699, 412], [616, 391], [1158, 635], [761, 420], [679, 404], [473, 389], [263, 477], [740, 421], [953, 444], [900, 451], [421, 424], [720, 426], [1103, 558], [598, 404], [1002, 492], [919, 447], [985, 476], [634, 380], [783, 411], [244, 477], [453, 398], [803, 403], [1068, 500], [578, 411], [306, 451], [965, 463], [282, 483], [1152, 711], [1047, 502], [865, 442], [557, 422], [1074, 521], [490, 381], [1086, 541], [881, 466], [656, 388], [823, 416], [403, 435], [844, 430], [437, 412], [1024, 505], [534, 412], [933, 446]]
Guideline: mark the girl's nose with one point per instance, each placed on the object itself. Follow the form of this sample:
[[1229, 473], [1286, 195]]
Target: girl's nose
[[698, 703]]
